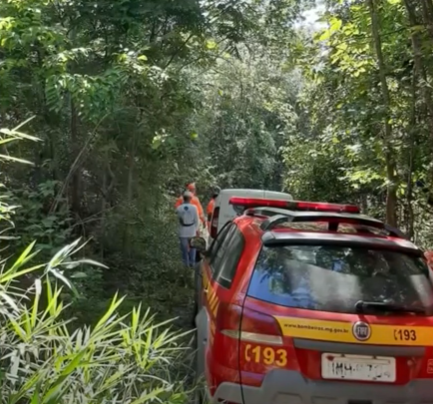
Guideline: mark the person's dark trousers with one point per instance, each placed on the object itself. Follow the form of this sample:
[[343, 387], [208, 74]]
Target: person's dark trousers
[[188, 253]]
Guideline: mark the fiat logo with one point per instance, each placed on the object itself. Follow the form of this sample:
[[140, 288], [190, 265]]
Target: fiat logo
[[361, 331]]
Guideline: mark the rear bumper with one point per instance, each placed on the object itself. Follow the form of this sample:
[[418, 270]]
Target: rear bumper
[[289, 387]]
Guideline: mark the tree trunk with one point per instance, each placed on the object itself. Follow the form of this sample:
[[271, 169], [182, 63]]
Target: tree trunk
[[103, 210], [76, 175], [427, 13], [425, 18], [391, 194], [420, 69], [410, 217], [129, 197]]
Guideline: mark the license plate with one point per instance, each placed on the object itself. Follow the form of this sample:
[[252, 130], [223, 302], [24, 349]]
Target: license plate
[[356, 367]]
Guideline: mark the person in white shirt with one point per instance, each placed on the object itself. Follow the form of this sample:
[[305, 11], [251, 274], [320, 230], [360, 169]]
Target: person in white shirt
[[188, 228]]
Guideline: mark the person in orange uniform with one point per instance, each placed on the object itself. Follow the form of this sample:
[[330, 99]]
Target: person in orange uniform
[[209, 209], [194, 201]]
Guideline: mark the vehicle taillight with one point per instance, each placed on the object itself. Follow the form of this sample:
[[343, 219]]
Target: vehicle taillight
[[214, 223], [293, 205], [248, 325]]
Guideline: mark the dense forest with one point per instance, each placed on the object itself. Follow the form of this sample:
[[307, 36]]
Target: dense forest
[[108, 108]]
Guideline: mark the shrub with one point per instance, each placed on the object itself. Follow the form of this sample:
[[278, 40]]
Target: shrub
[[126, 359], [123, 359]]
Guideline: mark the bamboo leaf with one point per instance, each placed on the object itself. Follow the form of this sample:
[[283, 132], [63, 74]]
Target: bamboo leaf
[[15, 159], [24, 123]]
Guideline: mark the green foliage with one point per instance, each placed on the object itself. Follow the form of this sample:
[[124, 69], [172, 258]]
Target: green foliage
[[45, 359], [342, 150], [121, 359], [131, 100], [249, 114], [35, 220], [134, 98]]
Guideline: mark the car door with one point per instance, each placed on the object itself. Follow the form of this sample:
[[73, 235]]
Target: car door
[[206, 292], [229, 261], [211, 266], [204, 271]]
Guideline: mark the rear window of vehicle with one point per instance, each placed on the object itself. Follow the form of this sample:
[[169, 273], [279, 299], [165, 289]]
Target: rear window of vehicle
[[342, 228], [335, 278]]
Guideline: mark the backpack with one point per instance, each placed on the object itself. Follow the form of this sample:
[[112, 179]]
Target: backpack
[[181, 218]]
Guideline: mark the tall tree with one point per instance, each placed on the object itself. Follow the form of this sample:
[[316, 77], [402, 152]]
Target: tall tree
[[391, 197]]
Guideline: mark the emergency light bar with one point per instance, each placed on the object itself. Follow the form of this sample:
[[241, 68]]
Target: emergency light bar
[[293, 205]]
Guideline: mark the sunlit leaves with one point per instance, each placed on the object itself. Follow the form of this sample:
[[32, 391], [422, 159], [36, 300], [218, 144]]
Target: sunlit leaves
[[325, 35], [365, 176], [210, 44], [93, 95], [346, 108], [335, 24]]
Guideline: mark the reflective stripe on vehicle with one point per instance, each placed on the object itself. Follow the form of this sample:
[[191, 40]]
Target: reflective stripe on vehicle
[[356, 332], [213, 302], [211, 297]]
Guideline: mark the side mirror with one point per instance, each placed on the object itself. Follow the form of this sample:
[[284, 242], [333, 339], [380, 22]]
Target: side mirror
[[199, 243]]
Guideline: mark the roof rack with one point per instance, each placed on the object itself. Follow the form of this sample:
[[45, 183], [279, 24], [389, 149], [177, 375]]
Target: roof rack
[[277, 216]]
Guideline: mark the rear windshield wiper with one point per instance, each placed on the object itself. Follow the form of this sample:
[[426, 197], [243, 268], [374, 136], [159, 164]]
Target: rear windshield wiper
[[362, 306]]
